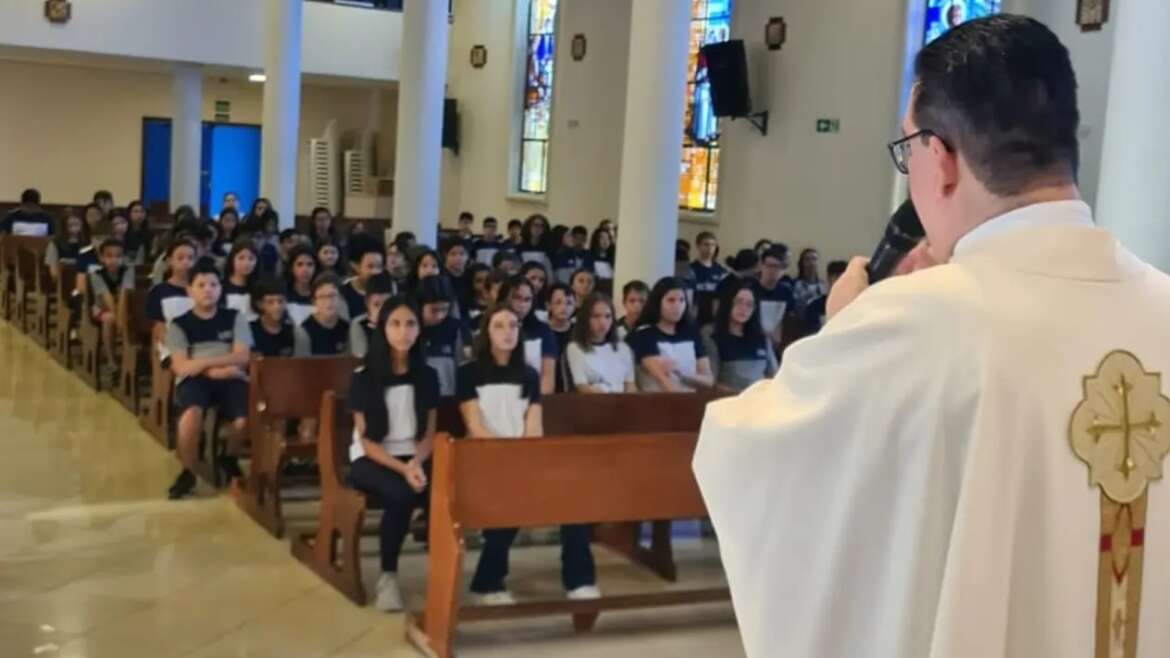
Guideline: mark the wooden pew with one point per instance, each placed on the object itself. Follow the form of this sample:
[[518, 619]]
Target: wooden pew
[[134, 333], [90, 335], [549, 481], [31, 276], [61, 343], [280, 390], [157, 418], [44, 304], [332, 552]]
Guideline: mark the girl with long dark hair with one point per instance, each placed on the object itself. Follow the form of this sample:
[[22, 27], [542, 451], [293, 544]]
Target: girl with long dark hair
[[739, 351], [667, 348], [598, 361], [240, 275]]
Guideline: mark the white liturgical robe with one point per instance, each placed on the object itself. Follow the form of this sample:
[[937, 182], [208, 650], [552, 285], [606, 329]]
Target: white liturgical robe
[[965, 463]]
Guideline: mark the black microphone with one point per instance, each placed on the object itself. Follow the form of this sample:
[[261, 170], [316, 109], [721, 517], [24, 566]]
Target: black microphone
[[903, 233]]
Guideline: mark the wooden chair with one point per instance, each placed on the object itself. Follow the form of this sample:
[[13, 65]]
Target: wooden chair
[[332, 551], [90, 335], [44, 305], [26, 262], [280, 390], [157, 418], [134, 330], [549, 481], [7, 275], [61, 338]]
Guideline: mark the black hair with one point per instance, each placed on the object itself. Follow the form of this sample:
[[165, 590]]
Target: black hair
[[510, 286], [404, 239], [1001, 91], [503, 255], [103, 195], [490, 220], [635, 285], [652, 312], [836, 268], [267, 287], [85, 210], [595, 240], [800, 265], [449, 244], [752, 329], [515, 222], [558, 286], [230, 211], [581, 327], [185, 214], [110, 242], [476, 268], [705, 235], [482, 343], [580, 230], [380, 284], [533, 265], [582, 270], [61, 234], [287, 234], [177, 243], [30, 197], [466, 215], [362, 244], [557, 238], [763, 243], [526, 231], [682, 251], [229, 266], [325, 279], [118, 212], [295, 253], [204, 266], [412, 278], [434, 289], [777, 251], [743, 260], [378, 358], [257, 202]]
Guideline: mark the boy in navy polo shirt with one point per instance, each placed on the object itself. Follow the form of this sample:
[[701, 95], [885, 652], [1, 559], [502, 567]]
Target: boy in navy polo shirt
[[366, 258], [324, 332], [104, 285], [209, 348]]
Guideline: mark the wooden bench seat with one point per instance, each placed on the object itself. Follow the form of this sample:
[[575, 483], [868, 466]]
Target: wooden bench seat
[[61, 340], [33, 282], [134, 335]]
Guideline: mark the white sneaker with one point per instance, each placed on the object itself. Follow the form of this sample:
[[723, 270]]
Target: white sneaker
[[389, 597], [503, 597], [583, 593]]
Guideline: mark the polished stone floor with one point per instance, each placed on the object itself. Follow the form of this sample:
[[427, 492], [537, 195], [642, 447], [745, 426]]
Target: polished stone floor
[[94, 562]]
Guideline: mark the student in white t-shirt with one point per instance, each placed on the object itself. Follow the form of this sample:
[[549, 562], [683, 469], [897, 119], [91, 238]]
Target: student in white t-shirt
[[598, 361], [499, 397], [393, 398], [239, 278]]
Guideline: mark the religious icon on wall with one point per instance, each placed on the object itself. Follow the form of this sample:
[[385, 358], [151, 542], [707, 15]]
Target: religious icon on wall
[[58, 11], [478, 56], [1092, 14]]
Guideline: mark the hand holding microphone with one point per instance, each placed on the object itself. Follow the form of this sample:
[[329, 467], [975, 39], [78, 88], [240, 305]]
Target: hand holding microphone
[[904, 237]]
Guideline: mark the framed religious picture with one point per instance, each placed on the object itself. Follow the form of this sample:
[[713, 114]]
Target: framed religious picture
[[1092, 14], [58, 11], [578, 47], [478, 56]]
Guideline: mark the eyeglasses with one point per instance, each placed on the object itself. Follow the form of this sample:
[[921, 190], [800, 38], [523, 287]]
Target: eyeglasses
[[900, 148]]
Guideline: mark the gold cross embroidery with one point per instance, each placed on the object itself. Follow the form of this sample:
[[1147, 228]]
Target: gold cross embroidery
[[1124, 456]]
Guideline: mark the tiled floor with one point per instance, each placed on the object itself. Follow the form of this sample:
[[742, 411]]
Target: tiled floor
[[95, 563]]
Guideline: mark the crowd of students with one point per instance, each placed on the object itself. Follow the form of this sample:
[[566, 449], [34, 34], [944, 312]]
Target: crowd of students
[[494, 320]]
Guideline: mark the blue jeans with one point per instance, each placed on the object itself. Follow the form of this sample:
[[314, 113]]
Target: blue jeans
[[577, 569]]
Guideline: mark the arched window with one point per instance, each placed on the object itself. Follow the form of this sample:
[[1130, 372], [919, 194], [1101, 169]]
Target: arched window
[[538, 91], [942, 15], [698, 183]]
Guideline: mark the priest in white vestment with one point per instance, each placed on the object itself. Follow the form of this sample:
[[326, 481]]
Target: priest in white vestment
[[967, 461]]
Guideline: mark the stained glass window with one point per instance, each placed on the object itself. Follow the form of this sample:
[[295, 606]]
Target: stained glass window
[[698, 182], [538, 90], [942, 15]]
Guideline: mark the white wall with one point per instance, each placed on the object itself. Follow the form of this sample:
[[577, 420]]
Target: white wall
[[73, 130], [337, 40]]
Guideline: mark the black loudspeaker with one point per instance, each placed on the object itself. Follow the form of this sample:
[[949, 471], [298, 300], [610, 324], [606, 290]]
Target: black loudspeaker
[[451, 125], [727, 72]]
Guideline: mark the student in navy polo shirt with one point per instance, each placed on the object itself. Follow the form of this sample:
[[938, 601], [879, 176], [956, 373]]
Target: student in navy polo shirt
[[329, 257], [601, 255], [667, 348], [67, 243], [534, 241], [515, 237], [168, 299], [569, 256], [537, 276], [365, 257], [776, 300], [455, 268], [393, 397], [739, 352], [598, 361], [583, 283], [634, 295], [442, 334], [299, 276], [478, 297], [29, 218], [486, 246], [209, 348], [507, 262], [536, 339], [814, 313], [272, 330], [465, 221], [104, 284], [324, 332], [499, 397], [562, 303], [424, 263], [378, 289], [706, 273], [240, 275]]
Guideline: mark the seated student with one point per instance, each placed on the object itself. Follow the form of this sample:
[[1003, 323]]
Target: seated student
[[104, 284], [487, 245], [28, 218], [379, 288], [667, 348], [272, 330], [168, 299], [67, 243], [324, 332], [397, 266], [499, 397], [515, 237], [601, 255], [464, 223], [537, 276], [561, 305], [393, 398], [455, 268], [808, 285], [365, 257], [95, 219], [506, 261], [329, 258], [568, 257], [633, 300], [424, 262], [534, 242], [209, 348], [139, 238], [240, 275], [706, 272], [583, 283], [442, 334], [598, 361], [776, 299], [478, 296], [228, 227], [540, 346], [301, 270], [739, 352], [321, 227], [814, 313]]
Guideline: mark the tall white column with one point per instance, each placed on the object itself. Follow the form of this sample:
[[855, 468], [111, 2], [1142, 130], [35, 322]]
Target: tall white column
[[186, 135], [648, 203], [282, 106], [417, 156], [1133, 200]]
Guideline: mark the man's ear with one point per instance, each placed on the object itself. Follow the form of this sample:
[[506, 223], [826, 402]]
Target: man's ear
[[947, 161]]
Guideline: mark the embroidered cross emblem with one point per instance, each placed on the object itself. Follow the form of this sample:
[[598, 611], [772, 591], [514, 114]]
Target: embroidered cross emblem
[[1118, 432]]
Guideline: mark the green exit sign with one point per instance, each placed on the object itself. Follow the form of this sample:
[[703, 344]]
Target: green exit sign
[[828, 125]]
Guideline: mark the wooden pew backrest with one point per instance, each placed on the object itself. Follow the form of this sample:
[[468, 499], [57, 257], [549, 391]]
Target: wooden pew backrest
[[291, 387]]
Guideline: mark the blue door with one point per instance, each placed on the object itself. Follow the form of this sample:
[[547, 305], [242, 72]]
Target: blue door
[[230, 162]]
